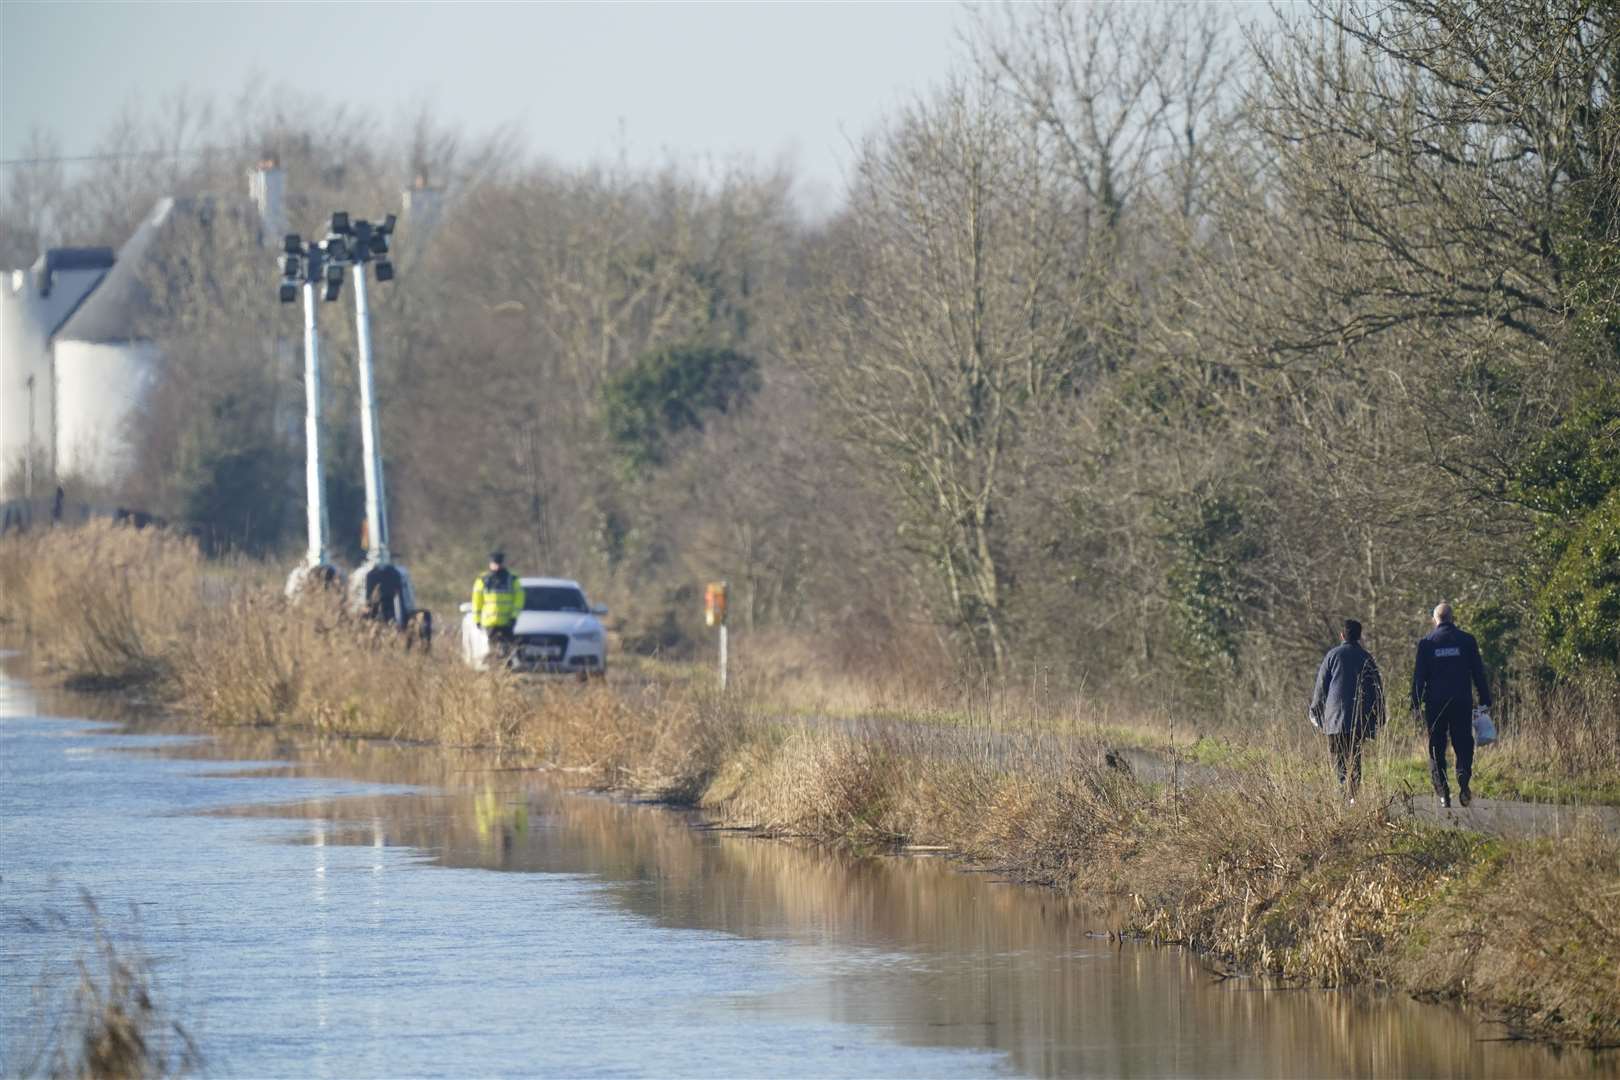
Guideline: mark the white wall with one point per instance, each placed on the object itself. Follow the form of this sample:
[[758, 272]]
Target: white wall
[[26, 321], [22, 353], [99, 387]]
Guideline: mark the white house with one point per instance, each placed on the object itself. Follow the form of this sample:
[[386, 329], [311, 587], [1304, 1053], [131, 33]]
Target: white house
[[75, 364]]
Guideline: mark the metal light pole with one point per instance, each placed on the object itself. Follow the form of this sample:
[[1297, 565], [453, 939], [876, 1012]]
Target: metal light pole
[[314, 484], [301, 269], [370, 441], [379, 587]]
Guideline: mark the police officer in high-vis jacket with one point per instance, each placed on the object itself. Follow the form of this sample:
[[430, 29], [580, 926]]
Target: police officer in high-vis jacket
[[1447, 672], [497, 598]]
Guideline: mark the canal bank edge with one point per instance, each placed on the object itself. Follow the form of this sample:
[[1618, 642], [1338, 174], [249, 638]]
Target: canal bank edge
[[1269, 872]]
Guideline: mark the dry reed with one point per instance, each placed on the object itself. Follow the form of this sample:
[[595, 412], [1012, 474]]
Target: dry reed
[[112, 1023]]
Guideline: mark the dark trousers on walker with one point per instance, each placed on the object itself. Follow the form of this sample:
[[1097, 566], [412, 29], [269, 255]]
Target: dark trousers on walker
[[1451, 719], [501, 640], [1346, 747]]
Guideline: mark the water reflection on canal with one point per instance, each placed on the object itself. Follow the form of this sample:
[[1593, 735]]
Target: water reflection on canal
[[337, 910]]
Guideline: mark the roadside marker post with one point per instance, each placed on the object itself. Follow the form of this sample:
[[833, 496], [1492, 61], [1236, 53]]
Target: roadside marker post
[[714, 614]]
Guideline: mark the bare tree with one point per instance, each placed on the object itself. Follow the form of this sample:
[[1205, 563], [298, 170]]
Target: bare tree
[[948, 329]]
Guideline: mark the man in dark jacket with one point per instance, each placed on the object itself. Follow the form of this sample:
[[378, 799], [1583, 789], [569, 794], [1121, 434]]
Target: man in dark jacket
[[1348, 703], [1448, 669]]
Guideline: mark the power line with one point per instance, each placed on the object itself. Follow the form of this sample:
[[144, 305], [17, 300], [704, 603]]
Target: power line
[[129, 155]]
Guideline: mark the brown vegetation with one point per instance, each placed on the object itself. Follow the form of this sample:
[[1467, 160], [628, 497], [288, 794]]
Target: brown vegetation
[[112, 1025], [1264, 869]]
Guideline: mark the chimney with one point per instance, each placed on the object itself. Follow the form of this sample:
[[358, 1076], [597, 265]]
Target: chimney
[[420, 207], [267, 185]]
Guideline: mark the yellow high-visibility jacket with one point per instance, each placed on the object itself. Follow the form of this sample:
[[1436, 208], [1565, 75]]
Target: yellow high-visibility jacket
[[497, 598]]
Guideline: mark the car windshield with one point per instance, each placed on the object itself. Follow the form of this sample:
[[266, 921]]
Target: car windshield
[[553, 598]]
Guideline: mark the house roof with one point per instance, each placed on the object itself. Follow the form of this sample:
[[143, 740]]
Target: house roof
[[59, 260], [112, 313]]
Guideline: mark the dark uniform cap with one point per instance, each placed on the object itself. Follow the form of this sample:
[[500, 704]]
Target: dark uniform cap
[[497, 556]]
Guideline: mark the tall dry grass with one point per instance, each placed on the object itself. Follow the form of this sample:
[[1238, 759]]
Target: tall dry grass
[[104, 603], [1566, 733], [111, 1023], [1533, 927], [114, 606]]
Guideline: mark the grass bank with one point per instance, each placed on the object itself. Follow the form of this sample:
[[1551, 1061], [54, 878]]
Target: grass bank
[[1265, 871]]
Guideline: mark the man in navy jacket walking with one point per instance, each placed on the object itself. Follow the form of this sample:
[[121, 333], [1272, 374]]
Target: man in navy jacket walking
[[1447, 672]]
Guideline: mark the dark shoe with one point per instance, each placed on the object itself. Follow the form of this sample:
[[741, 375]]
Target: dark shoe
[[1465, 796], [1445, 801]]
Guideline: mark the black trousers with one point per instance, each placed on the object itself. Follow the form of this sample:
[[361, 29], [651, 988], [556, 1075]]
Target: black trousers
[[1451, 719], [501, 641], [1346, 748]]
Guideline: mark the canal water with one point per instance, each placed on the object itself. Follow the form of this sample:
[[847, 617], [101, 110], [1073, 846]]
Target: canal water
[[343, 910]]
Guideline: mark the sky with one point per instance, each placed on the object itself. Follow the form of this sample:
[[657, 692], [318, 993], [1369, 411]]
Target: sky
[[696, 82]]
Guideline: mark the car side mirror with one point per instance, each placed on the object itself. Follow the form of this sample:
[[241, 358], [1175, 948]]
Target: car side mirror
[[466, 607], [598, 609]]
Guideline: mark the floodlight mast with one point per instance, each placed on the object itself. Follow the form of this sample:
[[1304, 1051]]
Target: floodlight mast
[[354, 243], [376, 498], [302, 269], [313, 484]]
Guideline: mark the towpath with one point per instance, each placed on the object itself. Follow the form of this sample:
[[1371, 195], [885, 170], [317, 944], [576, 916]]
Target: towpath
[[1499, 817]]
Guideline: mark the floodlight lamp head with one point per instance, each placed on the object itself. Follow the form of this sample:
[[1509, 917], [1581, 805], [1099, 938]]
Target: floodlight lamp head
[[387, 224], [362, 231], [385, 270], [289, 264], [336, 248], [292, 244], [340, 222], [379, 243], [288, 292], [334, 273], [330, 292]]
